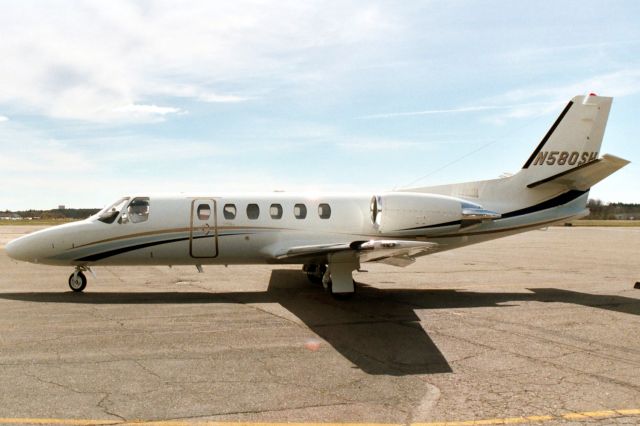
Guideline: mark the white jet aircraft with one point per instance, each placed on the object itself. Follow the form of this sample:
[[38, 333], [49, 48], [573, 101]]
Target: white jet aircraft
[[332, 234]]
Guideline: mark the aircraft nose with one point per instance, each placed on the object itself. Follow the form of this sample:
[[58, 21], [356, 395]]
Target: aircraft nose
[[23, 249], [38, 247], [15, 250]]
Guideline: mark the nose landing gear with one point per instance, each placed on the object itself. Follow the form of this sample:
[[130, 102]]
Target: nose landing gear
[[78, 280]]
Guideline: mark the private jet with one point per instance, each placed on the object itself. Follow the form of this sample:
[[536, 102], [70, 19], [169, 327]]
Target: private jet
[[331, 235]]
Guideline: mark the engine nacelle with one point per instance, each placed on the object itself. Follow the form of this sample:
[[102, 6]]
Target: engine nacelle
[[404, 211]]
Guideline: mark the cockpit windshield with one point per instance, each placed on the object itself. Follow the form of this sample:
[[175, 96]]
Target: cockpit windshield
[[111, 212]]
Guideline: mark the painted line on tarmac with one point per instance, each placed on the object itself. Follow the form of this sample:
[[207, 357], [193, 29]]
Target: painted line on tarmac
[[92, 422], [28, 421], [584, 415], [577, 416]]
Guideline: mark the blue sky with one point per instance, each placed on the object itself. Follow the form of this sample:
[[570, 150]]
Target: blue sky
[[102, 99]]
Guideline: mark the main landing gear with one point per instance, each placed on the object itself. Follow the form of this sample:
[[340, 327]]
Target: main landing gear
[[335, 277], [78, 280], [314, 272]]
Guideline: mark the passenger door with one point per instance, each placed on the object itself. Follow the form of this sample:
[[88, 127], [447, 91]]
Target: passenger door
[[203, 235]]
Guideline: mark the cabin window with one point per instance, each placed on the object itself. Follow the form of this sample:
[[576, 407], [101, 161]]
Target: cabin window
[[275, 211], [110, 213], [204, 212], [138, 209], [229, 211], [253, 211], [324, 211], [300, 211]]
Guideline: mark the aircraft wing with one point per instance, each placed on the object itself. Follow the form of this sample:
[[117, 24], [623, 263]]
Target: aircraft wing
[[585, 176], [392, 252]]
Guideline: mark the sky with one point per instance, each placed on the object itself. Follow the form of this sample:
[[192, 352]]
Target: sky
[[104, 99]]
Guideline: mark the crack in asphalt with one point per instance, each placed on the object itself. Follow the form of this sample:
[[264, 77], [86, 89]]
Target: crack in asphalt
[[80, 392], [101, 405]]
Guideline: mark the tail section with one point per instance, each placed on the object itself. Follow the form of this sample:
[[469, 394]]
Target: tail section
[[573, 141], [556, 178]]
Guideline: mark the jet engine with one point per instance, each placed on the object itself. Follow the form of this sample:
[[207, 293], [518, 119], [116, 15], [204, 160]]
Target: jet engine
[[404, 211]]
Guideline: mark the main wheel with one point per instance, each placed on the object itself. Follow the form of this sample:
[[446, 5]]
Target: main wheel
[[77, 282], [314, 273]]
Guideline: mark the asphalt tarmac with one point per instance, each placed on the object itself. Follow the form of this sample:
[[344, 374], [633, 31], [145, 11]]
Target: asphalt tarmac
[[540, 327]]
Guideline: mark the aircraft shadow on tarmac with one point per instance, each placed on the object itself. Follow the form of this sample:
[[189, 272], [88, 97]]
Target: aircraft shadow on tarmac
[[378, 330]]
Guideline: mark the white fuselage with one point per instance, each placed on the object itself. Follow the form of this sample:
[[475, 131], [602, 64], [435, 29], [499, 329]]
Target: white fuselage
[[201, 230]]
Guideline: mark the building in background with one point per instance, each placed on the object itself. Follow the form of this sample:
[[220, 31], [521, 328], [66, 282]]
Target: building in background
[[10, 216]]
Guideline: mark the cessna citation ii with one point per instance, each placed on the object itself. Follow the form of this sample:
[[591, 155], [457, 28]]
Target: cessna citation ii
[[332, 234]]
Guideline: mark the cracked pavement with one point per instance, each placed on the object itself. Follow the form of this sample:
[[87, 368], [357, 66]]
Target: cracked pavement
[[543, 323]]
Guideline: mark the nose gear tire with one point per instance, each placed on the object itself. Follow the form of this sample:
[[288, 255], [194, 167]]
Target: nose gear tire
[[77, 282]]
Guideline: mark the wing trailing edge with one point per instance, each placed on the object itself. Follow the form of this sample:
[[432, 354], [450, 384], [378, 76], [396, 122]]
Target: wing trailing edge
[[392, 252]]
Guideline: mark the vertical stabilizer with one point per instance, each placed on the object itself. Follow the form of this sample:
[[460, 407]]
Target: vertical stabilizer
[[573, 140]]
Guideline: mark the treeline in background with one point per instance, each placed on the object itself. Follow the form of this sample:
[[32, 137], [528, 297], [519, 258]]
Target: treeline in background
[[612, 211], [73, 214]]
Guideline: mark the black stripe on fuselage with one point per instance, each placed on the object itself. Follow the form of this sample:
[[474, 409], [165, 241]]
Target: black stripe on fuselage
[[103, 255], [553, 202], [548, 135], [438, 225]]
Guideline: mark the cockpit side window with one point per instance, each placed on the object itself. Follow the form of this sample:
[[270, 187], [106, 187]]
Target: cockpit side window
[[138, 209], [110, 213]]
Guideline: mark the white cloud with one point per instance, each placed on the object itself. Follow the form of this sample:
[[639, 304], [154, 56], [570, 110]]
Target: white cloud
[[458, 110], [536, 101], [146, 111], [86, 61], [214, 97], [619, 83], [195, 92], [3, 118]]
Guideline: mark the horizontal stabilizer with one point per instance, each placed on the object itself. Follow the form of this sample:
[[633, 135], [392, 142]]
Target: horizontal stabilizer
[[585, 176], [391, 252]]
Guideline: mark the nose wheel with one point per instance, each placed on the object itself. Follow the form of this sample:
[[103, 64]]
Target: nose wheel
[[77, 281]]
